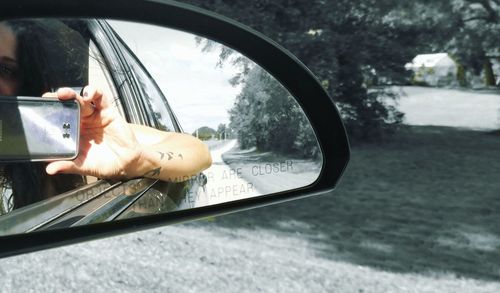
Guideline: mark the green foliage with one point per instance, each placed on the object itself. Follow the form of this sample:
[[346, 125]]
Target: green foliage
[[265, 116], [353, 45], [415, 80], [474, 36], [489, 76], [342, 42], [205, 133], [2, 204], [461, 74], [224, 132]]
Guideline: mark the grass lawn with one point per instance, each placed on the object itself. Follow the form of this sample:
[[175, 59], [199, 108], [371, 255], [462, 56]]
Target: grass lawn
[[426, 201]]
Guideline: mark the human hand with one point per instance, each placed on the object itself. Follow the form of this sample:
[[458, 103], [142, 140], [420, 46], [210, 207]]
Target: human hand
[[108, 147]]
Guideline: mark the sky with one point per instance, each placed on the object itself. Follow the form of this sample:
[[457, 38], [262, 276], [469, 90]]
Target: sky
[[197, 90]]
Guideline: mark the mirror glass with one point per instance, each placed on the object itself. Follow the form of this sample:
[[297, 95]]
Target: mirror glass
[[259, 139]]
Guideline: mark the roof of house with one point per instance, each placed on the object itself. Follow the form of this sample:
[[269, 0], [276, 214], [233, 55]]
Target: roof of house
[[426, 60]]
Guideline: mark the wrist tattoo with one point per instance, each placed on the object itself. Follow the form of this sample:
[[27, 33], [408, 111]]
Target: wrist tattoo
[[171, 155], [152, 173]]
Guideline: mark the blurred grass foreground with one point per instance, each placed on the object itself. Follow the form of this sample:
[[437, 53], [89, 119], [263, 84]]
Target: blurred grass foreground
[[427, 201]]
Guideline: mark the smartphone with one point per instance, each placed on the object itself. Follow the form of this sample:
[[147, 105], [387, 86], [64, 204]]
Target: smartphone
[[38, 129]]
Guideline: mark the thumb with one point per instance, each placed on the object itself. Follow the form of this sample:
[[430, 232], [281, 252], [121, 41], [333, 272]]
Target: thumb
[[62, 167]]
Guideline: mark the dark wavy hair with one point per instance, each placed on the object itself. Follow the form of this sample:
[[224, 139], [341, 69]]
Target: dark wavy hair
[[29, 181]]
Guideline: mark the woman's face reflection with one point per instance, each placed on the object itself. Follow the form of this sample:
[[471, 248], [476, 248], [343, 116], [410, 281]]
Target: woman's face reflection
[[8, 62]]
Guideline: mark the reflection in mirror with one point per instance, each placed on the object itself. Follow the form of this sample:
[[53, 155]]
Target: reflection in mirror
[[258, 136], [260, 140]]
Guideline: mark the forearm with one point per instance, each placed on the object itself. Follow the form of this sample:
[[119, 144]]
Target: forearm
[[175, 158]]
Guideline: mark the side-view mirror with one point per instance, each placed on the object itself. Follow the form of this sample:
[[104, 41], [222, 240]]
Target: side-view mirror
[[273, 132]]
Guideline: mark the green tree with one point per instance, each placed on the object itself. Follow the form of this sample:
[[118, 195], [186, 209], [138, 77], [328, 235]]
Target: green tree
[[342, 42], [465, 29], [223, 131], [267, 117], [205, 133], [476, 38], [355, 46]]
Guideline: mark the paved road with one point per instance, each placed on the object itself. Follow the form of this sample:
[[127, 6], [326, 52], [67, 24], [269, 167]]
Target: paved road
[[224, 183]]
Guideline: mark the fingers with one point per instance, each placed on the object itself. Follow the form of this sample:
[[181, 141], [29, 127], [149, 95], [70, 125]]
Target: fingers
[[49, 95], [87, 102], [62, 167], [66, 93], [95, 96], [91, 100]]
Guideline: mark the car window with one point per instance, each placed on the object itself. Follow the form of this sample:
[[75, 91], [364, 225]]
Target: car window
[[100, 77], [103, 62], [23, 184], [159, 110]]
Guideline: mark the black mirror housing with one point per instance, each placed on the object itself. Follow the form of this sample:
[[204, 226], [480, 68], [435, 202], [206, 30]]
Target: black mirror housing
[[286, 68]]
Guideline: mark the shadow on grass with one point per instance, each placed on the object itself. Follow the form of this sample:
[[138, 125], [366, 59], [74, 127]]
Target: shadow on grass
[[425, 201]]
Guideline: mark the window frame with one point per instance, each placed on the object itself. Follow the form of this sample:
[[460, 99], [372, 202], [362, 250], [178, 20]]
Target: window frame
[[114, 49]]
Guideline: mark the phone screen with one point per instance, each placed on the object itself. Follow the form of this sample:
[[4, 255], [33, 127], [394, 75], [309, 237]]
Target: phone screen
[[38, 129]]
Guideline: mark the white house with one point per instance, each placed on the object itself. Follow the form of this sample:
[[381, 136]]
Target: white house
[[433, 69]]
